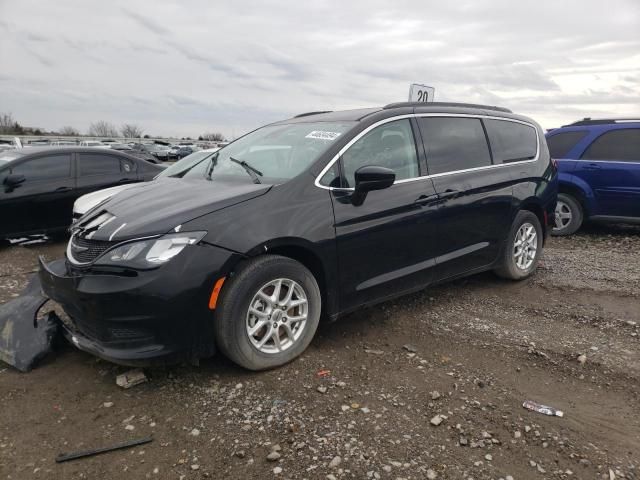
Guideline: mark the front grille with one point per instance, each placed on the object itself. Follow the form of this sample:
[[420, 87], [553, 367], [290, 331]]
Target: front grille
[[82, 250]]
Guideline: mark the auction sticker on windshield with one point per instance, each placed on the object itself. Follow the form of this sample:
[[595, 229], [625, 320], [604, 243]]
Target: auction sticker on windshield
[[322, 135]]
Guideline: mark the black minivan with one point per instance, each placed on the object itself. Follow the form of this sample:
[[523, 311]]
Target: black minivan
[[309, 217]]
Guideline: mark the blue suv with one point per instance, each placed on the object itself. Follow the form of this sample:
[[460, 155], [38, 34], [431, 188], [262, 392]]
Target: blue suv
[[599, 172]]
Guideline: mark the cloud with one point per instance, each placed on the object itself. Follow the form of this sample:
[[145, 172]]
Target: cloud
[[182, 69], [146, 21]]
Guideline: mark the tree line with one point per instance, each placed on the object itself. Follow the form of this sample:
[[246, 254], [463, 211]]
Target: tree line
[[101, 128]]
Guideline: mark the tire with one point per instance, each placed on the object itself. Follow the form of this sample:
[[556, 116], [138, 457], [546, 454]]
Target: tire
[[513, 266], [233, 319], [569, 215]]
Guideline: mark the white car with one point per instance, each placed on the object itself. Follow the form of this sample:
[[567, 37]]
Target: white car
[[86, 202], [91, 143]]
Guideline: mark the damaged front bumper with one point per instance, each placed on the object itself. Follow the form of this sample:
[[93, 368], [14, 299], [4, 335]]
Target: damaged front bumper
[[140, 318]]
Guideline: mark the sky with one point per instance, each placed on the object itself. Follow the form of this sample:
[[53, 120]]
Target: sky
[[184, 68]]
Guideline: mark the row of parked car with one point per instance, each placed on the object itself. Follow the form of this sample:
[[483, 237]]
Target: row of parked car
[[244, 248], [151, 151]]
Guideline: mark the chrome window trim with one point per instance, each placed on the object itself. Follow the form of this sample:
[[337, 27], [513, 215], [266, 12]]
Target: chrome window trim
[[337, 156]]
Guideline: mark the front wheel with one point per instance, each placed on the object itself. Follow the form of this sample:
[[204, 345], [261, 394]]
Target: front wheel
[[268, 312], [524, 247]]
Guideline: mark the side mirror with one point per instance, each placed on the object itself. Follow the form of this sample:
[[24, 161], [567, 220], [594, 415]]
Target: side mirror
[[369, 178], [12, 181]]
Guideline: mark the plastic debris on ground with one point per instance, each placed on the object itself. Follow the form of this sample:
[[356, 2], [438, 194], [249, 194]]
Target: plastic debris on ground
[[30, 240], [131, 378], [544, 409], [65, 457], [24, 338]]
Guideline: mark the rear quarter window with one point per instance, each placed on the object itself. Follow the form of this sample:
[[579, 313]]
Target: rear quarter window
[[560, 144], [511, 141], [621, 145]]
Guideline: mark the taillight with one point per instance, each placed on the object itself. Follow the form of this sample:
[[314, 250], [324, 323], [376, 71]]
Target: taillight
[[554, 162]]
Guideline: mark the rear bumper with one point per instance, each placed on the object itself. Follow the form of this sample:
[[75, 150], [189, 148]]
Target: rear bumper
[[138, 318]]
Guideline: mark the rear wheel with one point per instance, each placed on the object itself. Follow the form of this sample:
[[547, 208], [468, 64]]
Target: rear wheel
[[268, 312], [569, 215], [524, 247]]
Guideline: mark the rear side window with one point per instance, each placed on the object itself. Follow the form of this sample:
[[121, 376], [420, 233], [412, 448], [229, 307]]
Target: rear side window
[[45, 168], [454, 144], [561, 143], [621, 145], [511, 141], [96, 164]]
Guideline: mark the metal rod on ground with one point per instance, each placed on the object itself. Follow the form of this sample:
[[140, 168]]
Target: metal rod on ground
[[65, 457]]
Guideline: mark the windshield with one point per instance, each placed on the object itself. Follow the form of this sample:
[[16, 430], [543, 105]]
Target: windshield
[[179, 168], [276, 151]]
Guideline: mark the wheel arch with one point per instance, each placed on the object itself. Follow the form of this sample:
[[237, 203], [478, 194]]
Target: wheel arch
[[580, 190], [534, 206], [302, 251]]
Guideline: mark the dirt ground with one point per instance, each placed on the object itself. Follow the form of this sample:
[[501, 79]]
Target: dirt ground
[[468, 353]]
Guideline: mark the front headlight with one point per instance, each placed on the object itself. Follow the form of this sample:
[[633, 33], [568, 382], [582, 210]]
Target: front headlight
[[150, 253]]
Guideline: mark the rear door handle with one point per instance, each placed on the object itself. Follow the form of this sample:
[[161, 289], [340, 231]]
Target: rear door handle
[[448, 194], [63, 189], [592, 166]]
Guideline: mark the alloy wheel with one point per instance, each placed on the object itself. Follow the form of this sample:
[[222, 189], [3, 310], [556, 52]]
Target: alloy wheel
[[277, 316], [525, 246], [563, 215]]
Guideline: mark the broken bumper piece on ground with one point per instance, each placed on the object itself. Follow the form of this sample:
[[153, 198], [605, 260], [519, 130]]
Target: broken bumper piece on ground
[[25, 338]]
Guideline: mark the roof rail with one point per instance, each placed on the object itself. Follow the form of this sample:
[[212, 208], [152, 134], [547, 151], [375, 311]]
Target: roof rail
[[312, 113], [446, 104], [601, 121]]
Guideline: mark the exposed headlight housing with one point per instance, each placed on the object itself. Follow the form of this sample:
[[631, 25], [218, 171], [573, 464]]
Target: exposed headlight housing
[[149, 253]]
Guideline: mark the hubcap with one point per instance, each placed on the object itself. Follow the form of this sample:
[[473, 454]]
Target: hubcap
[[525, 246], [277, 316], [563, 215]]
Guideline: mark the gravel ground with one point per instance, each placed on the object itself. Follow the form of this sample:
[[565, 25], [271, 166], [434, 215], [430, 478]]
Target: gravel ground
[[427, 386]]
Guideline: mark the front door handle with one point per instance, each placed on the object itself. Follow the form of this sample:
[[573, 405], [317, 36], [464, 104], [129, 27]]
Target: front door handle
[[426, 199], [592, 166], [436, 197], [63, 189]]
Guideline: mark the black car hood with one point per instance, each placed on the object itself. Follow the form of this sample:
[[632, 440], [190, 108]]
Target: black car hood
[[156, 207]]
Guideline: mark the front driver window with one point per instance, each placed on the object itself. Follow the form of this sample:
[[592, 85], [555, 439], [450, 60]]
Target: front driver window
[[390, 145], [51, 167]]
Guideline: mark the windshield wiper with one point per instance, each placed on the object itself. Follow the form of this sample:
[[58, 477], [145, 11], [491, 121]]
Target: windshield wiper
[[253, 172], [214, 161]]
